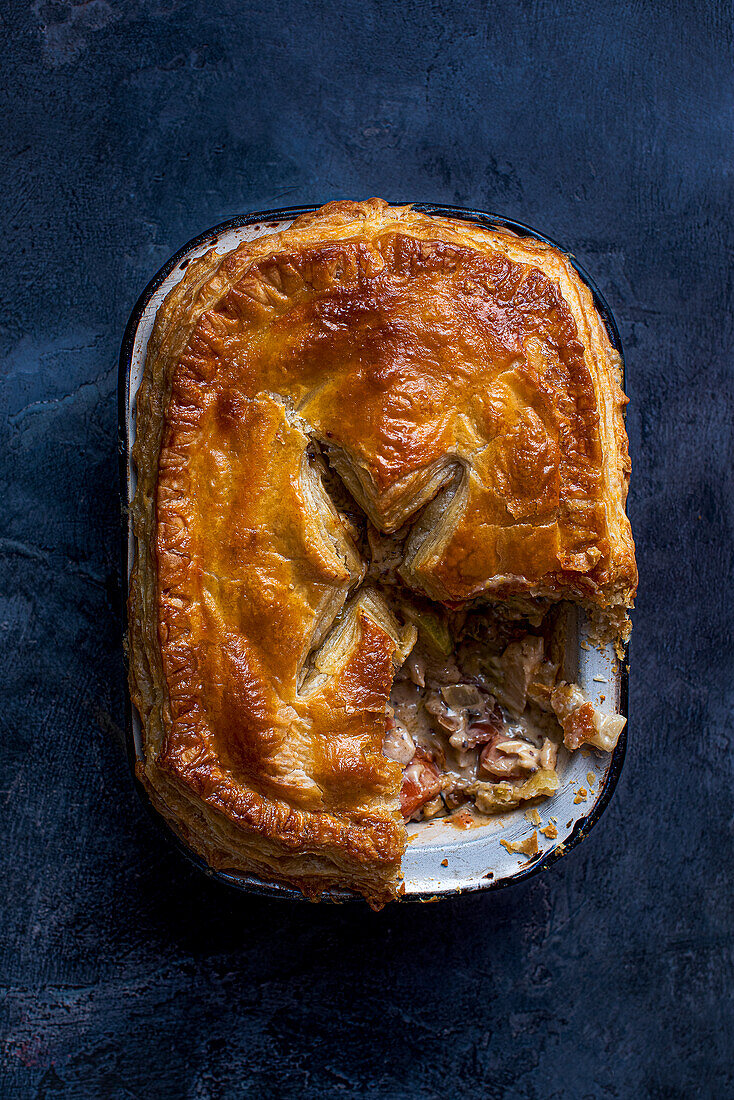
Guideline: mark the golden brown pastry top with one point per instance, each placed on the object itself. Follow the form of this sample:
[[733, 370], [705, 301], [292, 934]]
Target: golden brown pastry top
[[438, 364]]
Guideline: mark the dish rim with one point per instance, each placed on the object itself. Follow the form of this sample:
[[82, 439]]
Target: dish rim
[[250, 884]]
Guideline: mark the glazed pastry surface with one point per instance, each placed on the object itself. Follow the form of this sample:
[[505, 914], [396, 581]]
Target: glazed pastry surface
[[456, 379]]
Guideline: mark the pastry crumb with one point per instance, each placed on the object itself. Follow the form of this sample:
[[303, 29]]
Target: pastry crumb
[[550, 831], [581, 795], [533, 816], [528, 846], [590, 778], [444, 863]]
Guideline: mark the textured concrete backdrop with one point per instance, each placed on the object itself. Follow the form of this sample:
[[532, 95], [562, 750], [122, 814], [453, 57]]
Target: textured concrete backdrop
[[128, 128]]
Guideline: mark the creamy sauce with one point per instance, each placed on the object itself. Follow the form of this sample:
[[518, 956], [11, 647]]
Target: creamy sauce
[[474, 739]]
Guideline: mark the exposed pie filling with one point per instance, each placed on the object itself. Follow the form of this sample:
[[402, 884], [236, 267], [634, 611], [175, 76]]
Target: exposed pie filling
[[479, 708]]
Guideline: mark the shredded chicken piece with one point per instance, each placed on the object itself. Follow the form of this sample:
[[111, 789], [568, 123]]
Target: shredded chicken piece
[[582, 722], [398, 745], [509, 758]]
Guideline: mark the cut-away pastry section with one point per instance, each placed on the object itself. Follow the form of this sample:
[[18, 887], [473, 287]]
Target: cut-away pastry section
[[379, 457]]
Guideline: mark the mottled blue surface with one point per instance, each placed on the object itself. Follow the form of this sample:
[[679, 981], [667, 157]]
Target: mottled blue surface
[[127, 129]]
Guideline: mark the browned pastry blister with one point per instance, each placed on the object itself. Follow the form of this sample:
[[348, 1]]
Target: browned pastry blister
[[455, 377]]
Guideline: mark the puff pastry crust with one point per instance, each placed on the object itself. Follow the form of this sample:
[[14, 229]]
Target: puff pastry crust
[[459, 379]]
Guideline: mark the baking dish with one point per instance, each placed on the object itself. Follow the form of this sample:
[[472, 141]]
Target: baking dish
[[441, 858]]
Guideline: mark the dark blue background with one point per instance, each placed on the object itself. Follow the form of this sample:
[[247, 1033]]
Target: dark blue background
[[127, 129]]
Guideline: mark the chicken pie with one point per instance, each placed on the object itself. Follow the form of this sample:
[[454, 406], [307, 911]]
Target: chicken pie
[[379, 456]]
